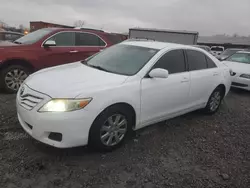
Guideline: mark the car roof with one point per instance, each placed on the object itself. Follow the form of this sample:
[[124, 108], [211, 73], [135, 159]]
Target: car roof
[[235, 49], [55, 29], [155, 44], [243, 52]]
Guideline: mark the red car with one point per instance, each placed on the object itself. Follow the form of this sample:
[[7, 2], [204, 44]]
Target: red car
[[48, 47]]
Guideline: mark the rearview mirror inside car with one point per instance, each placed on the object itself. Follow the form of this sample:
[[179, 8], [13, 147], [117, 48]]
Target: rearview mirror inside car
[[49, 43], [158, 73]]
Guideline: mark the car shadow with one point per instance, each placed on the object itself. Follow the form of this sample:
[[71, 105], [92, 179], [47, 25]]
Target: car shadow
[[240, 91], [134, 137]]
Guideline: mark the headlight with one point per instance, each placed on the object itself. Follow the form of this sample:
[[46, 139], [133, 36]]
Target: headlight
[[231, 72], [64, 105], [245, 76]]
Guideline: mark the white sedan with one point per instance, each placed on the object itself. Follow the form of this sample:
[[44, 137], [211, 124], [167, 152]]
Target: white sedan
[[123, 88], [240, 65]]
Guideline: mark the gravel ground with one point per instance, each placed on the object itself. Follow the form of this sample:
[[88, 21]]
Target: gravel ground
[[190, 151]]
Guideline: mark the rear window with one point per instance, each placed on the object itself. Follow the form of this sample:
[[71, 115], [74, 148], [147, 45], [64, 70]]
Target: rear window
[[114, 39], [219, 49]]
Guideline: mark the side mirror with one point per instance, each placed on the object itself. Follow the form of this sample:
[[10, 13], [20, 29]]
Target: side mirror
[[158, 73], [49, 43], [221, 58]]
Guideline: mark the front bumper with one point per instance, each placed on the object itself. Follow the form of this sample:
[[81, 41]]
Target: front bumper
[[73, 126], [239, 82]]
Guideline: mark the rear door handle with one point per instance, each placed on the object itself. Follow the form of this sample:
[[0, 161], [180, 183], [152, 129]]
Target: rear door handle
[[215, 74], [73, 51]]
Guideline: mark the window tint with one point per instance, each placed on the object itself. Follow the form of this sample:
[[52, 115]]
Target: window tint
[[34, 36], [64, 39], [210, 63], [219, 49], [172, 61], [87, 39], [196, 60], [121, 59], [240, 58], [115, 39]]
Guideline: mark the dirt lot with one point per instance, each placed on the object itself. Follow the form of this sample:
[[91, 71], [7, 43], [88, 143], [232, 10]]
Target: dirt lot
[[190, 151]]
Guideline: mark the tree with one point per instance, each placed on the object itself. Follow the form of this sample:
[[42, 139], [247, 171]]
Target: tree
[[21, 27], [235, 35], [79, 23]]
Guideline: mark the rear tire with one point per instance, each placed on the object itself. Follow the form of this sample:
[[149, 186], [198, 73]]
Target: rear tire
[[107, 136], [12, 77], [214, 101]]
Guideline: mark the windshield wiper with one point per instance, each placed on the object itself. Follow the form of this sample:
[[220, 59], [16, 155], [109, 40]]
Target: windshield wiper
[[97, 67], [16, 42]]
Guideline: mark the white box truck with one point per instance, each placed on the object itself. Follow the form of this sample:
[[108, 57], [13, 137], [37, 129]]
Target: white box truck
[[173, 36]]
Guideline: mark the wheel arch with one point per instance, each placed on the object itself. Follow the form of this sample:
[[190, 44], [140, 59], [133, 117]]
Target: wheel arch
[[18, 61], [223, 89], [125, 105]]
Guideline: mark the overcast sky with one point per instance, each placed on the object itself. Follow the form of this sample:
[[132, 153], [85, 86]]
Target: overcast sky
[[206, 16]]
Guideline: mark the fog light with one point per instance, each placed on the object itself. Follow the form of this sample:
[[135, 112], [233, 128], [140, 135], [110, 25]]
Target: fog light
[[55, 136]]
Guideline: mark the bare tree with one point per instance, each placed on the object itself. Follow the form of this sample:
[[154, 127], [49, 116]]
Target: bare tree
[[235, 35], [79, 23], [21, 26]]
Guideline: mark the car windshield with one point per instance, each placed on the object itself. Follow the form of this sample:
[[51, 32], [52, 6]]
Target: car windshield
[[122, 59], [229, 52], [33, 36], [240, 58]]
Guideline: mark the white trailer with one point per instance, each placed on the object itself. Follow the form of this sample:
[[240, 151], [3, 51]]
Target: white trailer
[[173, 36]]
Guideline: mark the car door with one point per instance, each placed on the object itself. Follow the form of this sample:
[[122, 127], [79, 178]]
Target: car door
[[204, 76], [87, 44], [161, 97], [61, 53]]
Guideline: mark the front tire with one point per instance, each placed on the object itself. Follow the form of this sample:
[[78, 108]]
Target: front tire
[[110, 129], [214, 101], [12, 77]]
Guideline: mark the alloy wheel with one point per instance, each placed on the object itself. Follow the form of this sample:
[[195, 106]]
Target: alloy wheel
[[215, 101], [14, 78], [113, 130]]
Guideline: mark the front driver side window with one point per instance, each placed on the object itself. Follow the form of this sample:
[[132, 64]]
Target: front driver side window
[[172, 61], [64, 39]]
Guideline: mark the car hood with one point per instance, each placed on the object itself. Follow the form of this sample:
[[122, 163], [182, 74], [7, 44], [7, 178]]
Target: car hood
[[238, 67], [7, 43], [71, 80]]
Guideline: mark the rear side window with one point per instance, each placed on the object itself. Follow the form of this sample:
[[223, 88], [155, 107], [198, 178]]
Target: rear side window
[[172, 61], [114, 39], [64, 39], [210, 63], [88, 39], [196, 60]]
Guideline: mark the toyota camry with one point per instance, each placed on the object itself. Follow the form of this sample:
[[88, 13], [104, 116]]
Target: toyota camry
[[99, 101]]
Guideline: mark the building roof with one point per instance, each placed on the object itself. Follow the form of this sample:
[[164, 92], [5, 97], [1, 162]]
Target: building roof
[[220, 39], [164, 30], [154, 44], [52, 24]]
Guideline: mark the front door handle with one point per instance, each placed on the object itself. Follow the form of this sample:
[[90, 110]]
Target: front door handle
[[73, 51], [185, 80], [215, 74]]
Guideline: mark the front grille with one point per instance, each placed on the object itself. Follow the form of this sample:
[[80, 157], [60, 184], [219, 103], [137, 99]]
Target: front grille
[[29, 101], [239, 84]]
